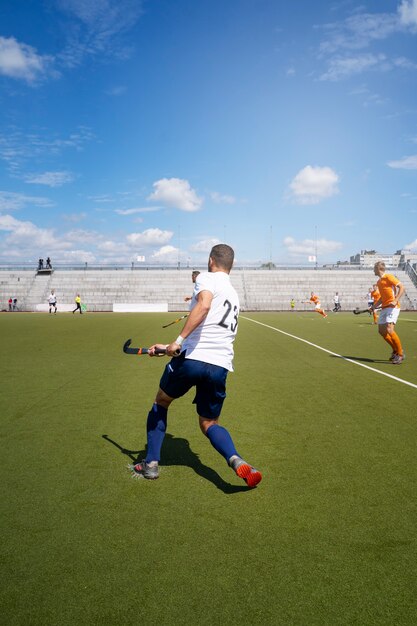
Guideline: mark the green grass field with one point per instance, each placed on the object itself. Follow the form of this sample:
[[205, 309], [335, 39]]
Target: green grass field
[[328, 537]]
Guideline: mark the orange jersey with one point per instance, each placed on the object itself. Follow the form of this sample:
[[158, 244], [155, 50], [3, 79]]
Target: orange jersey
[[314, 299], [386, 286], [375, 295]]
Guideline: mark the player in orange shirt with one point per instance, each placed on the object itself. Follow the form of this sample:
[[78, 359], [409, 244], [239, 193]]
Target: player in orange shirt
[[391, 290], [375, 297], [316, 301]]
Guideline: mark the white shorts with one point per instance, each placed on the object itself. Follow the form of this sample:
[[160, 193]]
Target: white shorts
[[389, 315], [318, 305]]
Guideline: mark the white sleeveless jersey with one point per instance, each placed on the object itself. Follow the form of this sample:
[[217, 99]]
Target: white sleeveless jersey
[[212, 341]]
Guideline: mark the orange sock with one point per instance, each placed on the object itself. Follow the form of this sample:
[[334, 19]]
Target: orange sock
[[375, 317], [397, 343], [388, 339]]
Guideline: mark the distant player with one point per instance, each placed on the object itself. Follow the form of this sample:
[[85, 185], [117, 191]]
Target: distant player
[[292, 304], [194, 275], [375, 297], [336, 301], [370, 300], [391, 290], [314, 299], [52, 302], [78, 304]]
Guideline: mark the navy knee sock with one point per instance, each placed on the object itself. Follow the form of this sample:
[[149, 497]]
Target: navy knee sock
[[155, 428], [221, 440]]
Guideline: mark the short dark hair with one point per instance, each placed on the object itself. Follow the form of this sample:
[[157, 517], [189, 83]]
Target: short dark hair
[[223, 255], [195, 273]]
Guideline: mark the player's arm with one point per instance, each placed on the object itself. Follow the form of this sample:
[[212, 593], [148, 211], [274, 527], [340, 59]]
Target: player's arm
[[376, 304], [399, 292], [194, 319], [197, 315]]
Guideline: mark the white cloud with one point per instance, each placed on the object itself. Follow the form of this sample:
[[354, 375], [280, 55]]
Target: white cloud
[[102, 198], [313, 184], [116, 91], [205, 245], [18, 60], [149, 237], [10, 201], [404, 63], [78, 235], [138, 210], [310, 246], [74, 217], [167, 254], [406, 163], [94, 27], [176, 193], [113, 247], [360, 31], [26, 234], [23, 240], [408, 13], [219, 198], [18, 147], [411, 246], [50, 179], [343, 67], [77, 256]]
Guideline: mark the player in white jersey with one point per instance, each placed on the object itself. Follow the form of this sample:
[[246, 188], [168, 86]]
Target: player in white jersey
[[212, 341], [52, 301], [205, 348], [194, 275]]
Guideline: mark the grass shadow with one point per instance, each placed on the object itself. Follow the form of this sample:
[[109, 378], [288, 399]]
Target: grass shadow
[[177, 451], [362, 359]]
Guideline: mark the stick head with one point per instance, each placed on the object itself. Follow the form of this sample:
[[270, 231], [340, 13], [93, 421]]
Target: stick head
[[126, 345]]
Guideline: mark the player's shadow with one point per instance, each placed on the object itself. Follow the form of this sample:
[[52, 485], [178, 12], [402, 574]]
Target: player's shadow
[[177, 451], [362, 359]]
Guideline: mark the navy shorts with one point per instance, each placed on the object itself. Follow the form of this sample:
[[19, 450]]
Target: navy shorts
[[209, 380]]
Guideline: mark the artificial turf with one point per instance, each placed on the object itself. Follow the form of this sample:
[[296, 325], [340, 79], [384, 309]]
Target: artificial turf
[[328, 537]]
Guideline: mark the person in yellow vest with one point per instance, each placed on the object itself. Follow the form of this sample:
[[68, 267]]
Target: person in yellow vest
[[78, 304]]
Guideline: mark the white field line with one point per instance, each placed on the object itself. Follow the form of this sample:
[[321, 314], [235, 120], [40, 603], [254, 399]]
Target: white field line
[[400, 380]]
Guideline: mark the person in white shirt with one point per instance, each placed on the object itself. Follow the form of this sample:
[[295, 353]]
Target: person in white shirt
[[194, 275], [336, 301], [202, 357], [370, 300], [52, 302]]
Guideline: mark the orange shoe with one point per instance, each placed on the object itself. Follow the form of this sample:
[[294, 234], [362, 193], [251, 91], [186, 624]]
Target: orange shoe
[[250, 475]]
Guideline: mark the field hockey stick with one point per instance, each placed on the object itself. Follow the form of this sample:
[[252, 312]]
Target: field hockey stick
[[176, 321], [369, 310], [139, 351]]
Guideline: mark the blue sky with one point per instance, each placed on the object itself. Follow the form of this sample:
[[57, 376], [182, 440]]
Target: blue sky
[[157, 128]]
